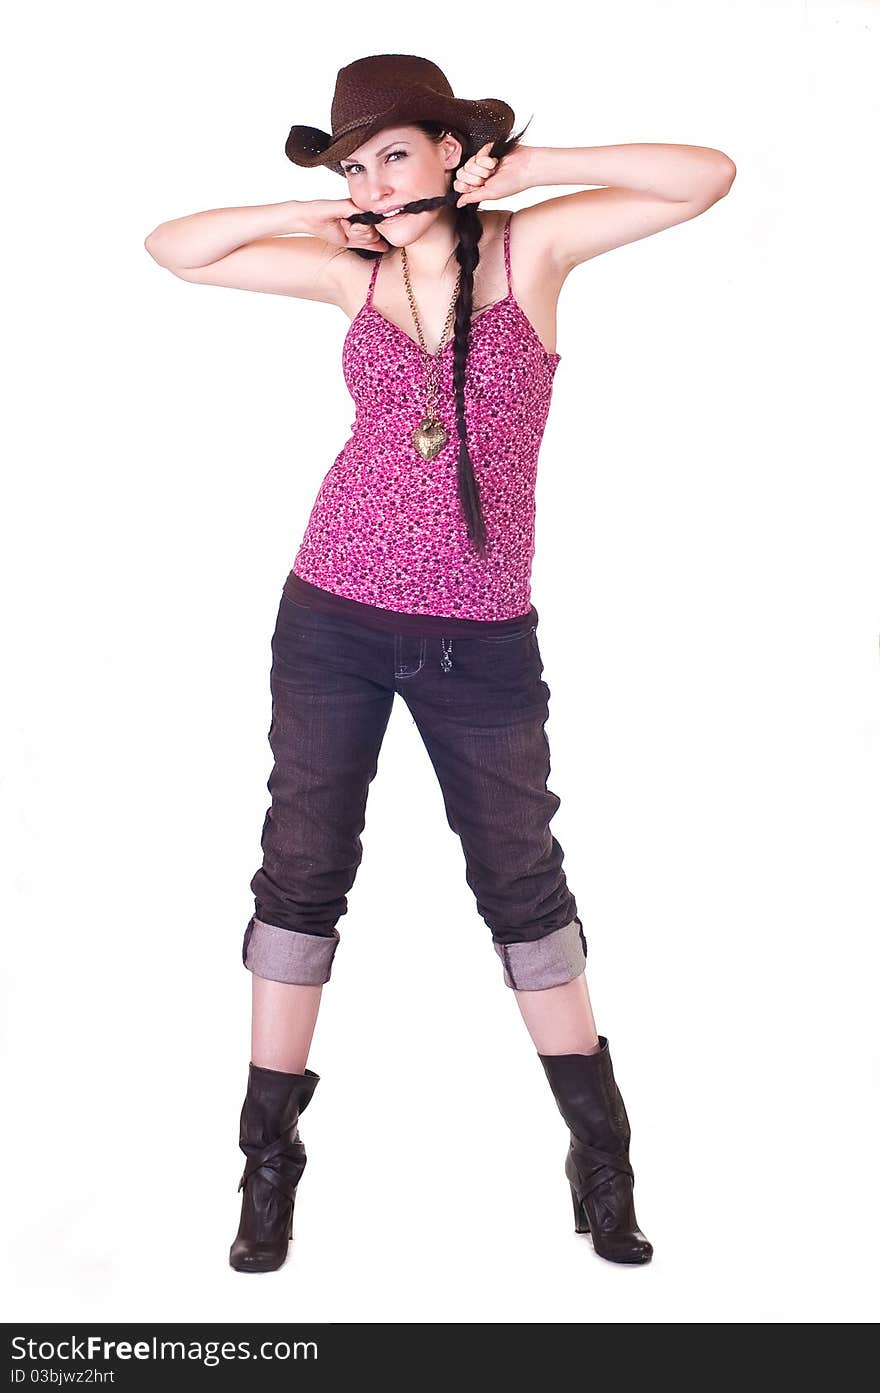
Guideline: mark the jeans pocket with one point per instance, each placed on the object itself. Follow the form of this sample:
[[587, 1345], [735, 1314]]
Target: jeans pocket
[[506, 638], [288, 602], [297, 634]]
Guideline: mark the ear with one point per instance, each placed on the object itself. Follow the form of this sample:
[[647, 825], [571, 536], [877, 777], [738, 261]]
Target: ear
[[452, 151]]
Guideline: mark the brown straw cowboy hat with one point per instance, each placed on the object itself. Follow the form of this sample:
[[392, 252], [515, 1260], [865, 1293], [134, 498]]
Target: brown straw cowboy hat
[[391, 89]]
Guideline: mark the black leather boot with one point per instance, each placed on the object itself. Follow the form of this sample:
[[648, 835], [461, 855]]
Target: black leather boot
[[276, 1159], [597, 1164]]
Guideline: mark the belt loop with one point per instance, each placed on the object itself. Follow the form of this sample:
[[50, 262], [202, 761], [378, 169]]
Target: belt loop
[[446, 654]]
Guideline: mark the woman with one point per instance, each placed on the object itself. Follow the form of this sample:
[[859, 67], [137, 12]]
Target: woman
[[413, 574]]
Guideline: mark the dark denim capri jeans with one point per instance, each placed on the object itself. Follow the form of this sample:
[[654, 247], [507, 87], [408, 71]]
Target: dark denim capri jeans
[[480, 705]]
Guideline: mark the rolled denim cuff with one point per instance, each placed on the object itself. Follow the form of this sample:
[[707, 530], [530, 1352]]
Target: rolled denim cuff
[[285, 955], [545, 962]]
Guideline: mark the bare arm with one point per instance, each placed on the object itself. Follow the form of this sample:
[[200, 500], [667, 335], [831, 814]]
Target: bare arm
[[202, 238], [252, 249], [649, 188]]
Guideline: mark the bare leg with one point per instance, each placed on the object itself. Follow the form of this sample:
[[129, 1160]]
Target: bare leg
[[282, 1024], [560, 1019]]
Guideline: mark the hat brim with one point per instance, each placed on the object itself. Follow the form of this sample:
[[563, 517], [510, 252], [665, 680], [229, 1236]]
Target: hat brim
[[482, 120]]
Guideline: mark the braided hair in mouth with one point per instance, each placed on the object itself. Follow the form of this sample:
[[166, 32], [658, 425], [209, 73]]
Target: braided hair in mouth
[[468, 232]]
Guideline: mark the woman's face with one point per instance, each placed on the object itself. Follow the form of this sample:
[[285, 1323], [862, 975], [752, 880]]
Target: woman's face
[[399, 165]]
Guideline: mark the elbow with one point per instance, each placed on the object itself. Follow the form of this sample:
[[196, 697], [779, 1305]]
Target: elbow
[[726, 173], [153, 244], [150, 242], [716, 186]]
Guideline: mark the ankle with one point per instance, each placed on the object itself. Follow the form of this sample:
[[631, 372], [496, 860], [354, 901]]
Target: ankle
[[576, 1046], [288, 1064]]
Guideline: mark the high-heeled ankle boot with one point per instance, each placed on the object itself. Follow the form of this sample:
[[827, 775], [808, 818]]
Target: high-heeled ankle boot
[[276, 1159], [597, 1164]]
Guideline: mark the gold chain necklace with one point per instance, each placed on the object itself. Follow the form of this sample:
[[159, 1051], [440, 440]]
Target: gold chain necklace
[[429, 436]]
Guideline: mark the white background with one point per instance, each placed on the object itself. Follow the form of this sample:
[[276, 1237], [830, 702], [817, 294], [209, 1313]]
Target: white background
[[707, 583]]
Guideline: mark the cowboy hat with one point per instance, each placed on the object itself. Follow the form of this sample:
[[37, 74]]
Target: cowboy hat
[[391, 89]]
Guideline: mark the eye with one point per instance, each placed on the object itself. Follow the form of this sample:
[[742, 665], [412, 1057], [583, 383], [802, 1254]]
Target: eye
[[352, 168]]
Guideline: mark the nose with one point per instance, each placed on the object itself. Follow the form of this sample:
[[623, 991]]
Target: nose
[[378, 192]]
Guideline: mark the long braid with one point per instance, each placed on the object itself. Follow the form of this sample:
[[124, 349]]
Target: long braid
[[468, 232]]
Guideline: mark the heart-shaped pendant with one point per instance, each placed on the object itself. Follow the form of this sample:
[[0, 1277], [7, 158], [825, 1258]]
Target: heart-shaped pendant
[[429, 437]]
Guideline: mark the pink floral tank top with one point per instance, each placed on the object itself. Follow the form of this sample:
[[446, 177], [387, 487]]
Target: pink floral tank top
[[387, 529]]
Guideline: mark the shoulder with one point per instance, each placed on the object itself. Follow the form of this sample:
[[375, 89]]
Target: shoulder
[[494, 221], [528, 243], [351, 275]]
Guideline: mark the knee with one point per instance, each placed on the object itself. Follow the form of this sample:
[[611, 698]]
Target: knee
[[287, 955], [551, 961]]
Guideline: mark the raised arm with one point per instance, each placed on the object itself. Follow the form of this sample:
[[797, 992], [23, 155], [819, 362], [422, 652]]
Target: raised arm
[[648, 187], [254, 249]]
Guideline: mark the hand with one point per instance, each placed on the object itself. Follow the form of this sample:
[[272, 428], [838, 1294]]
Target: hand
[[483, 177], [328, 218]]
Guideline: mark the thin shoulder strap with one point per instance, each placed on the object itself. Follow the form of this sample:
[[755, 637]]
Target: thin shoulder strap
[[369, 299], [507, 253]]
